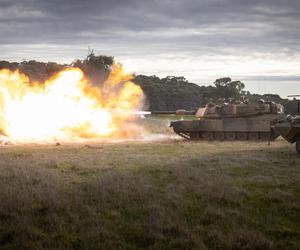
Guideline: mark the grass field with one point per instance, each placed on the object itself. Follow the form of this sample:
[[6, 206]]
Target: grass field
[[166, 194]]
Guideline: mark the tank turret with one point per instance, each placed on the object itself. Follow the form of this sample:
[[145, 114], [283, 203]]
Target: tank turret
[[240, 109]]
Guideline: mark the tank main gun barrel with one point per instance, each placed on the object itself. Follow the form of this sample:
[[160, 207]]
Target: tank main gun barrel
[[176, 112]]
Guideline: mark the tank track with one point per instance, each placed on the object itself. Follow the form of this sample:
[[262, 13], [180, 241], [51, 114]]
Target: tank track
[[229, 136]]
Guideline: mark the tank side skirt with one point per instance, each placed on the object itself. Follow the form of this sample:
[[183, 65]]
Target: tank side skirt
[[229, 136]]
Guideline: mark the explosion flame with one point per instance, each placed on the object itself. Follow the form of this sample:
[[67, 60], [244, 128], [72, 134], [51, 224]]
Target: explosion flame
[[66, 107]]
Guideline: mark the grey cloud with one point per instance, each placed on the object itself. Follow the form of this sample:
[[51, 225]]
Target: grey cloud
[[189, 26], [256, 40]]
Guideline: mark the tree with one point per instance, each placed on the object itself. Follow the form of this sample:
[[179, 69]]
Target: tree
[[174, 79], [96, 68], [227, 88], [94, 62], [222, 82]]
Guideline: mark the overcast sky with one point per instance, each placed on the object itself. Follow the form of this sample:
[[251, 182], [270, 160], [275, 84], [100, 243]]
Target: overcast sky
[[257, 41]]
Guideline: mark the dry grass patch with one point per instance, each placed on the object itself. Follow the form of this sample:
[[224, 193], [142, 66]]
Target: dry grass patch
[[171, 194]]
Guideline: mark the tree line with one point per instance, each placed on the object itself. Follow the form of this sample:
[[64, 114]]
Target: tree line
[[167, 93]]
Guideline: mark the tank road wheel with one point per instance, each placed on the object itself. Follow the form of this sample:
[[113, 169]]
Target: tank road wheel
[[230, 136], [241, 136], [298, 145], [219, 136], [264, 136], [209, 136], [194, 135], [253, 136]]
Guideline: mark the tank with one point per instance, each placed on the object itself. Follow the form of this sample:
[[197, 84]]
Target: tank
[[232, 121], [289, 129]]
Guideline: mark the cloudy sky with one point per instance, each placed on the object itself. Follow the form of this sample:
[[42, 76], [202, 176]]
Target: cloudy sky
[[257, 41]]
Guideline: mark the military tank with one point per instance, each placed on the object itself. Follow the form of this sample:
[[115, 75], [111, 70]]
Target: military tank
[[232, 121], [289, 129]]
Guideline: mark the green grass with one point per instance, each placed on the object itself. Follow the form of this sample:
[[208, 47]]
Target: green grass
[[169, 194]]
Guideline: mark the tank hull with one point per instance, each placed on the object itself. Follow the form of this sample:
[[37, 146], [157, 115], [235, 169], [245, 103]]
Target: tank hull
[[251, 128]]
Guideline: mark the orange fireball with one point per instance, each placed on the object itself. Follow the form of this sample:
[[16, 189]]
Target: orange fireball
[[66, 107]]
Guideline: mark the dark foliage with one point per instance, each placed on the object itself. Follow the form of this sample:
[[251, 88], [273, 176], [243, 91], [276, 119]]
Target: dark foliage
[[170, 93], [36, 71], [96, 68]]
